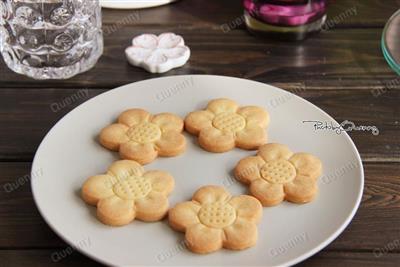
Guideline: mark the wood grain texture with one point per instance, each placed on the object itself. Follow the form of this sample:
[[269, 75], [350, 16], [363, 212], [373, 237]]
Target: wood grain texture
[[219, 12], [27, 117], [46, 257], [335, 59], [40, 258], [341, 70], [351, 259], [374, 226], [346, 55]]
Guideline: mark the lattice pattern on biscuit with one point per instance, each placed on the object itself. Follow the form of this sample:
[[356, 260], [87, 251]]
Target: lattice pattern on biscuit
[[230, 122], [278, 171], [133, 187], [144, 133], [217, 215]]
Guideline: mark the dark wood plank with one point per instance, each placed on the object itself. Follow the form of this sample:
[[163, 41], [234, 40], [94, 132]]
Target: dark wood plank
[[325, 69], [370, 13], [41, 109], [40, 258], [380, 204], [43, 257], [46, 257], [351, 259], [374, 226], [340, 58], [19, 217], [28, 114], [197, 13]]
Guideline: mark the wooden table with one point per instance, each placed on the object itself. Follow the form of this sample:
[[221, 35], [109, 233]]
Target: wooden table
[[342, 71]]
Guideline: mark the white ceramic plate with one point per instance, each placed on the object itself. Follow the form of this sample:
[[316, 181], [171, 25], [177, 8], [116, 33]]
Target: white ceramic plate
[[131, 4], [288, 233]]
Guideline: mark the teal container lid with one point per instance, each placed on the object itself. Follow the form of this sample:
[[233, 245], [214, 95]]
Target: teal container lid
[[391, 42]]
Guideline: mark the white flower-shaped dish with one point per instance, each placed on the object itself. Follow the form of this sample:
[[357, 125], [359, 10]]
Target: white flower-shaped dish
[[158, 54]]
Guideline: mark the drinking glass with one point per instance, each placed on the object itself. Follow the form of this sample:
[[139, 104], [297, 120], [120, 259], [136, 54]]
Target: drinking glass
[[50, 39], [285, 19]]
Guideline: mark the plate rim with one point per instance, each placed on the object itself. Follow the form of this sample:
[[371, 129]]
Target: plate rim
[[122, 7], [295, 260]]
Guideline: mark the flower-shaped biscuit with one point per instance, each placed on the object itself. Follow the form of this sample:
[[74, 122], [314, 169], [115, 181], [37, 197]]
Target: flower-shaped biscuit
[[158, 54], [126, 192], [142, 137], [214, 219], [276, 173], [224, 125]]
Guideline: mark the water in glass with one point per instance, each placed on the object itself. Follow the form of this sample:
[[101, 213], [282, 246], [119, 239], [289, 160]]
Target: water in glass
[[50, 39]]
